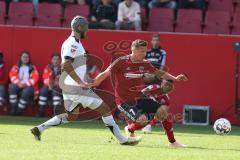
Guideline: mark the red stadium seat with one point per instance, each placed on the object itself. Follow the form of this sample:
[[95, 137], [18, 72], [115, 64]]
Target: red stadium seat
[[144, 18], [217, 22], [20, 13], [49, 15], [237, 10], [236, 1], [2, 12], [73, 10], [221, 5], [236, 24], [161, 19], [189, 21]]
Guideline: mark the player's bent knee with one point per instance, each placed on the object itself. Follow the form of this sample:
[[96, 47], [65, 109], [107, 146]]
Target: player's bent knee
[[72, 117], [104, 110], [162, 113], [142, 120]]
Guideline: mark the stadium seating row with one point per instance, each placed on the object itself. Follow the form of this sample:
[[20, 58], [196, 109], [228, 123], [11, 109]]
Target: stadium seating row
[[47, 15], [220, 18], [193, 21]]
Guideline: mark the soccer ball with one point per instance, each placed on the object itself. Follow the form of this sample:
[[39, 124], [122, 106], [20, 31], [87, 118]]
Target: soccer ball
[[222, 126]]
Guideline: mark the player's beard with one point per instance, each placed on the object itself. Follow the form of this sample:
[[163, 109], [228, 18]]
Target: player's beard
[[83, 35]]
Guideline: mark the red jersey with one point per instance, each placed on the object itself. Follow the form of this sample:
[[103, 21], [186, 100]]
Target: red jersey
[[128, 90], [155, 94]]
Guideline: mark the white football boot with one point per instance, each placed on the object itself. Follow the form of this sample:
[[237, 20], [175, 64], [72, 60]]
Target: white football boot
[[176, 145], [147, 129]]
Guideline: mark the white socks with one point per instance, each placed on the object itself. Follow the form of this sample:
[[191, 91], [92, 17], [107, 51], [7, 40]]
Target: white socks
[[111, 124], [108, 121], [55, 121]]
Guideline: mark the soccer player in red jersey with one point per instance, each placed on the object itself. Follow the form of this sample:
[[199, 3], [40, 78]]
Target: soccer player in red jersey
[[127, 75], [158, 93]]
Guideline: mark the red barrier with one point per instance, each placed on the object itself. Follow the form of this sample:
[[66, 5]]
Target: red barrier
[[209, 61]]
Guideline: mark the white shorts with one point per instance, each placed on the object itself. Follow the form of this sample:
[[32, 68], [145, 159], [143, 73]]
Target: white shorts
[[89, 100]]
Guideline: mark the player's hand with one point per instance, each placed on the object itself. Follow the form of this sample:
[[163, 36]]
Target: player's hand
[[94, 84], [84, 85], [145, 91], [181, 77]]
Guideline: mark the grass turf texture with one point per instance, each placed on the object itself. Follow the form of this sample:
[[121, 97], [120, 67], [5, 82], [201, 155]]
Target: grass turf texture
[[91, 141]]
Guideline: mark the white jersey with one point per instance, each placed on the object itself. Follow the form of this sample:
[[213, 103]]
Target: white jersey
[[72, 48]]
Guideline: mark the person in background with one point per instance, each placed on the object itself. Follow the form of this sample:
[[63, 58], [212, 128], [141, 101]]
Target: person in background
[[194, 4], [104, 16], [24, 79], [3, 80], [162, 3], [129, 15], [51, 75], [157, 57]]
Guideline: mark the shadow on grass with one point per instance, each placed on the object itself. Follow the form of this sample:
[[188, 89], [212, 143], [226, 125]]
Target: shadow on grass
[[98, 124], [215, 149], [193, 147]]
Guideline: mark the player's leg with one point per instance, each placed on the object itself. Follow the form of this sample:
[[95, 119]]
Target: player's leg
[[72, 110], [137, 125], [162, 114], [147, 106], [167, 123], [135, 119], [148, 128], [109, 122]]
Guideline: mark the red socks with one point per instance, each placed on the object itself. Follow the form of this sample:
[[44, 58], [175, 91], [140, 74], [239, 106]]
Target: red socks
[[153, 121], [134, 126], [167, 125]]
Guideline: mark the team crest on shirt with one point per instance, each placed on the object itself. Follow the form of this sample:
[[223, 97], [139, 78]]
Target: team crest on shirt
[[128, 68]]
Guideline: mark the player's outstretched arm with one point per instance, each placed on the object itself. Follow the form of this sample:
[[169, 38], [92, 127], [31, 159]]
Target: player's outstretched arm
[[165, 75], [101, 77]]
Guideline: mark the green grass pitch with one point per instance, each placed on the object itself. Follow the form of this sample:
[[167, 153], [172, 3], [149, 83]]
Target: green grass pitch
[[92, 141]]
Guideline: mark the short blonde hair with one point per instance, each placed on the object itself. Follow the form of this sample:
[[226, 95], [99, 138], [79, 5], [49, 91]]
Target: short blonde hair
[[139, 42]]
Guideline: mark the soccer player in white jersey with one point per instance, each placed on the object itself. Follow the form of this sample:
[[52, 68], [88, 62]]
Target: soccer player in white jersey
[[75, 89]]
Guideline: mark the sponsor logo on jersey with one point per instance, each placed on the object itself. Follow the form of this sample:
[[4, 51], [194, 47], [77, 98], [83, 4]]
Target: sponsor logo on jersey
[[73, 46]]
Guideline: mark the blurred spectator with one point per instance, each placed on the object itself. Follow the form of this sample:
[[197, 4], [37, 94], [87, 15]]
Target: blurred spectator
[[95, 3], [104, 16], [156, 55], [34, 2], [129, 15], [3, 80], [72, 2], [24, 78], [162, 3], [196, 4], [142, 3], [50, 89]]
